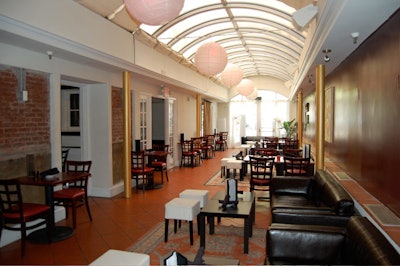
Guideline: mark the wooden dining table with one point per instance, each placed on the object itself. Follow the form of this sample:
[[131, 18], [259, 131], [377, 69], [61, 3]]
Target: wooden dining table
[[58, 232]]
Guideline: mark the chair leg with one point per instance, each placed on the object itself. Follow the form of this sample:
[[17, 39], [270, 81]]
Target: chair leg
[[73, 215], [88, 208], [23, 238], [166, 174]]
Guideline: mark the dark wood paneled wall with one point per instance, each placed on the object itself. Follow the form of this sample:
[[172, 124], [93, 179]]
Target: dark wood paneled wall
[[366, 140]]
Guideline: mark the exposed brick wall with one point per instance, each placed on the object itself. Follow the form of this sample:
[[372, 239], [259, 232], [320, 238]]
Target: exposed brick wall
[[117, 116], [117, 135], [24, 126]]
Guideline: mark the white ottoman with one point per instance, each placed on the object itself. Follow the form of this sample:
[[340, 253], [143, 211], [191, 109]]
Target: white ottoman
[[245, 148], [181, 209], [235, 165], [199, 194], [119, 257], [224, 163]]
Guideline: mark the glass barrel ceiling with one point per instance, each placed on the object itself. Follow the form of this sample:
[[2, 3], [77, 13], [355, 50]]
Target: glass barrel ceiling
[[258, 35]]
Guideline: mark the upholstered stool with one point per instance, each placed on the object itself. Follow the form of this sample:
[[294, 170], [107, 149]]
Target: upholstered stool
[[245, 148], [181, 209], [119, 257], [234, 164], [224, 163], [199, 194]]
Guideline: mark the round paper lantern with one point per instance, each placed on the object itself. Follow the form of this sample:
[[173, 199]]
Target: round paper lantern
[[253, 95], [154, 12], [245, 87], [232, 75], [210, 59]]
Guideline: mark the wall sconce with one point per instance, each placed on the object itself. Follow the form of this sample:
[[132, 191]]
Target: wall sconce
[[326, 56]]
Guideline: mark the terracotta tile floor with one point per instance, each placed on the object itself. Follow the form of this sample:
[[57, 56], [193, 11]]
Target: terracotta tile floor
[[119, 222]]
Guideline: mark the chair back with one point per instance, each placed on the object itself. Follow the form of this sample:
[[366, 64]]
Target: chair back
[[223, 136], [10, 197], [293, 152], [261, 167], [187, 146], [79, 167], [138, 161], [265, 151], [64, 158], [296, 166]]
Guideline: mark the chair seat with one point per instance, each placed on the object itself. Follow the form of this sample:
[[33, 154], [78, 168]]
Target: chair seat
[[69, 193], [142, 171], [29, 210], [260, 182], [159, 164]]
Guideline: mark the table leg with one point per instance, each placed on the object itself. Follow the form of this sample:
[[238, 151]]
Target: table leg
[[247, 228], [211, 224]]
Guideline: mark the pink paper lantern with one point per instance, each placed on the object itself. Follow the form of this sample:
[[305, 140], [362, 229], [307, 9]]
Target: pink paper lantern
[[245, 87], [253, 95], [210, 59], [232, 75], [154, 12]]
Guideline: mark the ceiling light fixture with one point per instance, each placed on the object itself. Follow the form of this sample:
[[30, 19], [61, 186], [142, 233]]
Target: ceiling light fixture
[[355, 36], [326, 56], [155, 12]]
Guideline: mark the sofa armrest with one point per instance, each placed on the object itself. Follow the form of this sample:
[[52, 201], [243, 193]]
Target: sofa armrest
[[304, 244], [294, 185]]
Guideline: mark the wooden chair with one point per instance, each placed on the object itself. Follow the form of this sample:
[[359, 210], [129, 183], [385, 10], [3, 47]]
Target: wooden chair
[[14, 211], [188, 155], [221, 142], [159, 162], [197, 146], [296, 166], [75, 195], [261, 169], [139, 170]]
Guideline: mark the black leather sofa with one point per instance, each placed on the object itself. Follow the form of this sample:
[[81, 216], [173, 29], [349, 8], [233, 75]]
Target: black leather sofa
[[317, 200], [359, 243]]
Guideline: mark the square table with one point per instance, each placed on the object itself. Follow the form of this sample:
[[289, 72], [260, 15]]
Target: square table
[[245, 210]]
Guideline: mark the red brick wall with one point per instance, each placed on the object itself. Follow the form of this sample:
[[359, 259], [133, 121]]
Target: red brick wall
[[24, 126], [117, 116]]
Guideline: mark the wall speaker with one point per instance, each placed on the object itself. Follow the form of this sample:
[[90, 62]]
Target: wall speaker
[[304, 15]]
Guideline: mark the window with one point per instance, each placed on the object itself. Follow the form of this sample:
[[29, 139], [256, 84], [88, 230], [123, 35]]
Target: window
[[70, 109]]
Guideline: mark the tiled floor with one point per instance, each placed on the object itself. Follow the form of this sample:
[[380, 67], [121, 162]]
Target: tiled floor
[[119, 222]]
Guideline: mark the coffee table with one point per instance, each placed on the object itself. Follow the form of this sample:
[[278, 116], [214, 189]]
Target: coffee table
[[245, 210]]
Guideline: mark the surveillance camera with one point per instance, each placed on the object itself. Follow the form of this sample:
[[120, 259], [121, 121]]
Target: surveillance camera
[[327, 58]]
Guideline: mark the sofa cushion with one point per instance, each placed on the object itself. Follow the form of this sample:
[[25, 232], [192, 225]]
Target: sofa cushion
[[307, 245]]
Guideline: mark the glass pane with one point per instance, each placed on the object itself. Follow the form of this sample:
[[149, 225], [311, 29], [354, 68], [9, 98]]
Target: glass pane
[[74, 101], [74, 122]]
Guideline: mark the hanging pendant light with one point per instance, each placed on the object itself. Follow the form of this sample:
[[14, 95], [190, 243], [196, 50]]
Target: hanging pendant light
[[245, 87], [232, 75], [210, 59], [154, 12], [253, 95]]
